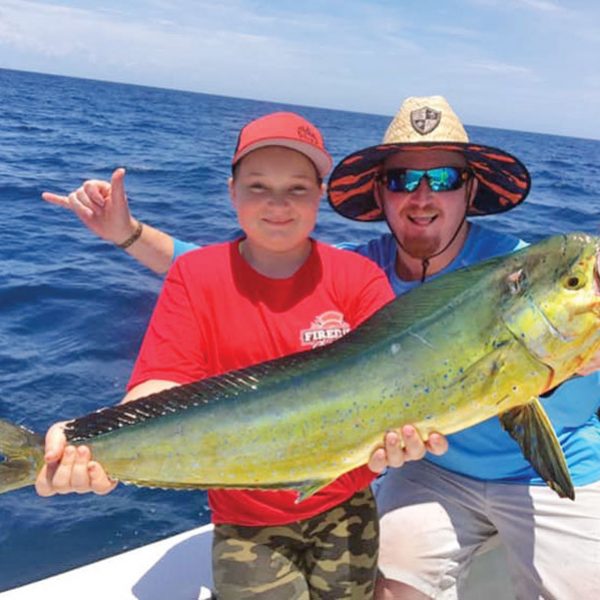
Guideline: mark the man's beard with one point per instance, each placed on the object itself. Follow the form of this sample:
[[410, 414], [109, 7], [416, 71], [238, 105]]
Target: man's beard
[[421, 247]]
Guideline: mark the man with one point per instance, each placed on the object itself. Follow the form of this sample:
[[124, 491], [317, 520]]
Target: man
[[425, 179]]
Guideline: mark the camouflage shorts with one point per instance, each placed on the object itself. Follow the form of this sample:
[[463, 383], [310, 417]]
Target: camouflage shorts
[[332, 556]]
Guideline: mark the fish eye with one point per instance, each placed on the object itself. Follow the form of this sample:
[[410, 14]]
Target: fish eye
[[575, 281]]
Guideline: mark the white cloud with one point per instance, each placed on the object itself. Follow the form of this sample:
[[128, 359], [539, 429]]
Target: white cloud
[[459, 32], [541, 5], [546, 6], [150, 48], [500, 68], [227, 48]]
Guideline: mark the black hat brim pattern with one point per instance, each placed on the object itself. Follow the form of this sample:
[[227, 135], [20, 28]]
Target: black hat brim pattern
[[504, 181]]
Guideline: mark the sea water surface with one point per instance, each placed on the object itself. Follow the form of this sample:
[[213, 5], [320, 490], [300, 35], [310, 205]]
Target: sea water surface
[[73, 308]]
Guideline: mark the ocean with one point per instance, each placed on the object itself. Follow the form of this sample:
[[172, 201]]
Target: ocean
[[73, 308]]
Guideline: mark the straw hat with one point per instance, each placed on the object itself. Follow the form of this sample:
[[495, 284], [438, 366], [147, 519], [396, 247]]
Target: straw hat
[[424, 124]]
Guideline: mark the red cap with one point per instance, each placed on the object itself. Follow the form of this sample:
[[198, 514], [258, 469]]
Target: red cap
[[288, 130]]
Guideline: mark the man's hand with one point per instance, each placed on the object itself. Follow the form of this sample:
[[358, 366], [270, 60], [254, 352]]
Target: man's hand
[[404, 445]]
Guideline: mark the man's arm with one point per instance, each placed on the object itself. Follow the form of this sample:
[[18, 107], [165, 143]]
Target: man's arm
[[103, 208]]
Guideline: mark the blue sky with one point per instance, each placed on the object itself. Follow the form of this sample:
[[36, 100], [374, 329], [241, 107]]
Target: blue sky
[[530, 65]]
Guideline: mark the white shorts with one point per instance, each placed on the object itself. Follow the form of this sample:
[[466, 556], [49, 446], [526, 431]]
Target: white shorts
[[433, 522]]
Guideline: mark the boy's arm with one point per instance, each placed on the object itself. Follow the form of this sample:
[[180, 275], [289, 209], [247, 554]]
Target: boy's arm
[[70, 469]]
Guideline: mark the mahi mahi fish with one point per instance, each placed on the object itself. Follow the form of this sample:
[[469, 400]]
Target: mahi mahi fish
[[482, 341]]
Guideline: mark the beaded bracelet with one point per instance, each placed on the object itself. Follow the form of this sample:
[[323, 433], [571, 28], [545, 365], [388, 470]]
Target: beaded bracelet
[[134, 236]]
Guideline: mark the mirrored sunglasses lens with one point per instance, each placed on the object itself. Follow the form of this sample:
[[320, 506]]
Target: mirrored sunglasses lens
[[412, 179], [395, 181], [403, 180], [444, 179]]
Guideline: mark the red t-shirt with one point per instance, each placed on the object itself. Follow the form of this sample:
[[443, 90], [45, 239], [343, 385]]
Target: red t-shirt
[[215, 314]]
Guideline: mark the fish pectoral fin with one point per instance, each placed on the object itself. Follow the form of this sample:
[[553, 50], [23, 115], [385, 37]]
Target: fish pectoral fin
[[531, 428], [480, 374], [307, 488]]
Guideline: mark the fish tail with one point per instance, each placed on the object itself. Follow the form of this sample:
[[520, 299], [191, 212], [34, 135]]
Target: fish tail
[[21, 456]]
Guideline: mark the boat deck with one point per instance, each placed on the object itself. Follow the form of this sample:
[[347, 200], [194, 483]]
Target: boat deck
[[179, 568]]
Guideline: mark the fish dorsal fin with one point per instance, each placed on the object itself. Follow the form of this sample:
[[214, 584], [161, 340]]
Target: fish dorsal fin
[[171, 401], [426, 301], [530, 426]]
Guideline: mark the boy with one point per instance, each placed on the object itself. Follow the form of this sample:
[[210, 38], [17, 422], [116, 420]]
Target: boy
[[231, 305]]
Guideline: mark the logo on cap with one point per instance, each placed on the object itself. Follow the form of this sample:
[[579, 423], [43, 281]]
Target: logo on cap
[[425, 120], [308, 135]]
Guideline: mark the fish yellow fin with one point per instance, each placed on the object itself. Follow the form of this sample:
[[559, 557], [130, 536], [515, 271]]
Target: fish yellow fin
[[305, 489], [531, 428], [308, 488]]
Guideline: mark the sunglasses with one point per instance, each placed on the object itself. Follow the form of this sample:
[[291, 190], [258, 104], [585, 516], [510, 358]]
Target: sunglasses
[[440, 179]]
